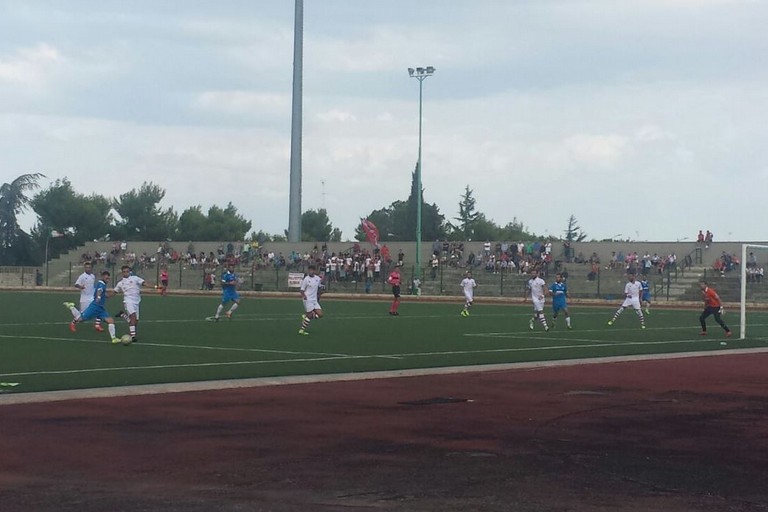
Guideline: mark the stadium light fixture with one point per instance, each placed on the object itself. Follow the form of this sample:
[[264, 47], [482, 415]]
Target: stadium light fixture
[[420, 74]]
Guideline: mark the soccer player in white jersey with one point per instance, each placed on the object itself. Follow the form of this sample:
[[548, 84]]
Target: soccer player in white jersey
[[468, 285], [310, 295], [85, 283], [632, 291], [536, 288], [130, 286]]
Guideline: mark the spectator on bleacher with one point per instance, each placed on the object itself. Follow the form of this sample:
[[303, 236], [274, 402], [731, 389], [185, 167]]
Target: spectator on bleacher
[[708, 239], [434, 264], [687, 262], [700, 237]]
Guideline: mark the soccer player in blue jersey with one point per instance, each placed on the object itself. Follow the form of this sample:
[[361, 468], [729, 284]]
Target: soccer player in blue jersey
[[229, 293], [96, 309], [645, 295], [559, 293]]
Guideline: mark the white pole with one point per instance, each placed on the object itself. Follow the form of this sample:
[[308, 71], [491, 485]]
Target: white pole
[[743, 298], [48, 239]]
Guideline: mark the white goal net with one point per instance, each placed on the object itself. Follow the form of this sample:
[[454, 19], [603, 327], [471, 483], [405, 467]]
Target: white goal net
[[753, 297]]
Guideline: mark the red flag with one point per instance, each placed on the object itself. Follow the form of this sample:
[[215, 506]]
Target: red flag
[[371, 232]]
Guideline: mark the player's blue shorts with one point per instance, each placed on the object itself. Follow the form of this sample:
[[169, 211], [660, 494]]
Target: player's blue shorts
[[559, 305], [646, 297], [94, 311], [229, 295]]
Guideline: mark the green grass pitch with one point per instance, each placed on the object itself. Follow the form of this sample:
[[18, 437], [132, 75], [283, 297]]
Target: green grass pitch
[[178, 344]]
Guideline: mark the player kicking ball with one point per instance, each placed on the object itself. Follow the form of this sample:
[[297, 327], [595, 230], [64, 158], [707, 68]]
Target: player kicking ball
[[631, 298], [130, 286], [96, 308], [310, 294]]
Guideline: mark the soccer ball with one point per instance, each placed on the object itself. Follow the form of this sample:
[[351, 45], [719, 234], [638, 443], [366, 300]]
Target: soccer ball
[[126, 339]]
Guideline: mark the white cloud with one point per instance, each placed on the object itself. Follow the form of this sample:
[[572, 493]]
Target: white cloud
[[544, 108], [242, 102], [31, 66], [602, 151]]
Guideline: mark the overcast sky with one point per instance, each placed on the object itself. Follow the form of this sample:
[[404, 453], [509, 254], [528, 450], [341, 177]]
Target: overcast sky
[[641, 118]]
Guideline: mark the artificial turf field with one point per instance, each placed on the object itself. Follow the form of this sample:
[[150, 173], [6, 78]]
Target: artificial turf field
[[178, 342]]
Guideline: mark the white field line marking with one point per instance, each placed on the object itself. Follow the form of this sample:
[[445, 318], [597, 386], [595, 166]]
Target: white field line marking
[[166, 366], [545, 348], [272, 318], [370, 356], [552, 332], [173, 345]]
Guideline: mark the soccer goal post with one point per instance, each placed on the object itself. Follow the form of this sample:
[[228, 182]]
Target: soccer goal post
[[747, 275]]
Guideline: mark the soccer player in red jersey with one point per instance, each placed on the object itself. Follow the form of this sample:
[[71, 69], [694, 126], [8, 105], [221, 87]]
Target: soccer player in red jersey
[[712, 306], [164, 281], [394, 279]]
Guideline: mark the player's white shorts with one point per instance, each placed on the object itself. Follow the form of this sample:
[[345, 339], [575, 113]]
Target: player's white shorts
[[538, 304], [634, 302], [131, 308], [84, 303], [311, 305], [469, 297]]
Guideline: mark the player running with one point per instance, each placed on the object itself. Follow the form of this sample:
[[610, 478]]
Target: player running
[[712, 306], [130, 286], [468, 285], [310, 295], [96, 308], [631, 298], [559, 293], [164, 281], [228, 293], [645, 296], [536, 289]]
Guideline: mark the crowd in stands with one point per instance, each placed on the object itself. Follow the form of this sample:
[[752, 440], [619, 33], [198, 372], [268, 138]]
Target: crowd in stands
[[633, 263], [364, 264]]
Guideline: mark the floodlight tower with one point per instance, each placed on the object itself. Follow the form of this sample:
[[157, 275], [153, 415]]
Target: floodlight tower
[[294, 206], [419, 74]]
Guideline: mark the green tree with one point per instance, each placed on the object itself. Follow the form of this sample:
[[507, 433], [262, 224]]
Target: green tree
[[263, 237], [62, 209], [573, 232], [219, 225], [316, 227], [16, 246], [468, 216], [433, 226], [142, 218]]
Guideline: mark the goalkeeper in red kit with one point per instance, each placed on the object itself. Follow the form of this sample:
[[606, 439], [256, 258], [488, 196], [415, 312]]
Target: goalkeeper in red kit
[[394, 280], [712, 306]]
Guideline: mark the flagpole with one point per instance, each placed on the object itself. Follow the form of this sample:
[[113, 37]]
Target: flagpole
[[48, 239]]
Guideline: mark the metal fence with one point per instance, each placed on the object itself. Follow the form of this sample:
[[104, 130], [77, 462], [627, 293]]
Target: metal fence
[[583, 281]]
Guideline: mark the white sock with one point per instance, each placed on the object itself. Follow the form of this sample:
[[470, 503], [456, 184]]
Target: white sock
[[111, 328], [219, 310], [233, 308]]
